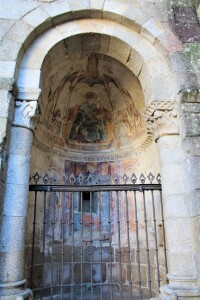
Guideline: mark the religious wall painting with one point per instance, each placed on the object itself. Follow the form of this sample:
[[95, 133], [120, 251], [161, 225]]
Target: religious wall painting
[[90, 110]]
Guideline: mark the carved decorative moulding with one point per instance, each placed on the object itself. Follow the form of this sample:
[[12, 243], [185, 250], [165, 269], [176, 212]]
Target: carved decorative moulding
[[161, 118], [25, 114]]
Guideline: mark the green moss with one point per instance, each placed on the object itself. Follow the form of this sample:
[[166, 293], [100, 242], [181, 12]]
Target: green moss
[[192, 54], [183, 3]]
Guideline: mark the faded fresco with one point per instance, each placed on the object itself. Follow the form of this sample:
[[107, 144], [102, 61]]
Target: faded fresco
[[93, 106]]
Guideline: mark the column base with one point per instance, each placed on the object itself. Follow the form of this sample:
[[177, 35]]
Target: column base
[[168, 292], [15, 291]]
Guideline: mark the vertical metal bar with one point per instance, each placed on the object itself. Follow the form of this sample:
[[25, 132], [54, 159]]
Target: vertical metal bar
[[129, 247], [119, 245], [91, 247], [81, 245], [110, 246], [72, 252], [163, 228], [156, 240], [62, 249], [147, 243], [101, 249], [138, 248], [53, 239], [33, 239], [43, 245]]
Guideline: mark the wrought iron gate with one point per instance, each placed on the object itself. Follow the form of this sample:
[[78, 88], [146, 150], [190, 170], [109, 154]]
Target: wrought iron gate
[[97, 241]]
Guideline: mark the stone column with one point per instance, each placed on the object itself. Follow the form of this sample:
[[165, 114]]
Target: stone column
[[13, 223], [181, 270]]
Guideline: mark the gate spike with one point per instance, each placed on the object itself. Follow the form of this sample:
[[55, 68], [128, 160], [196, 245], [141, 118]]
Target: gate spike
[[46, 178], [125, 178], [142, 178], [151, 177], [36, 177], [158, 178], [72, 179], [133, 178]]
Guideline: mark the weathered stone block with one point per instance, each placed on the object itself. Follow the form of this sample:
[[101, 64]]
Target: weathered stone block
[[3, 129], [91, 41], [98, 274], [144, 258], [48, 279], [16, 9], [107, 253], [8, 69], [152, 29], [7, 104], [113, 10], [5, 25], [125, 255], [7, 261], [37, 255], [65, 273], [116, 269], [191, 96], [135, 274], [35, 17], [192, 198], [134, 17], [23, 142], [195, 225], [192, 123]]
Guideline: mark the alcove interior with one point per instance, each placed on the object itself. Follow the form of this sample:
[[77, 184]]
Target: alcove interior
[[90, 130]]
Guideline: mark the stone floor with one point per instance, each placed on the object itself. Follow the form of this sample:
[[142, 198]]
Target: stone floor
[[87, 296]]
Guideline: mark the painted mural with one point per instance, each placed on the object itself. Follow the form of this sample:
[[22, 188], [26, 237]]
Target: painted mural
[[93, 106]]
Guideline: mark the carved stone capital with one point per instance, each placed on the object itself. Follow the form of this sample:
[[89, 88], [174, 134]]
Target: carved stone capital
[[161, 119], [25, 114]]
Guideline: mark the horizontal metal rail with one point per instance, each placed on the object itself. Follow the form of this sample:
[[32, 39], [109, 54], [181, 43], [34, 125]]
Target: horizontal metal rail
[[94, 188]]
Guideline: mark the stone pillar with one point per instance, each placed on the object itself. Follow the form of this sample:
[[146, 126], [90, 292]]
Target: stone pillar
[[182, 278], [13, 224]]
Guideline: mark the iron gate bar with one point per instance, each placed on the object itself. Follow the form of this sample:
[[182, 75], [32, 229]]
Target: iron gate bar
[[43, 245], [156, 241], [81, 245], [122, 208], [147, 242], [53, 239], [91, 247], [138, 248], [101, 249], [163, 231], [119, 245], [94, 188], [33, 238], [110, 245], [129, 247]]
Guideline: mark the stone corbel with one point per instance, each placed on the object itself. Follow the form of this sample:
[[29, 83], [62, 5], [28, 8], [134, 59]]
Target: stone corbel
[[161, 119], [25, 114]]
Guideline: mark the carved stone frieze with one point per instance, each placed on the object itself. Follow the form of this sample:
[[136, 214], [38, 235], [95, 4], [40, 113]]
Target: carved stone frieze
[[25, 114], [161, 119]]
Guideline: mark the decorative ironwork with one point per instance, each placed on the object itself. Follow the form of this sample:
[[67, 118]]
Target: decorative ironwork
[[142, 178], [46, 178], [36, 177], [158, 178], [133, 178], [125, 178], [94, 179], [151, 177], [98, 242]]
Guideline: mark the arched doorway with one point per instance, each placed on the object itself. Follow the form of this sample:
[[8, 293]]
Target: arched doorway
[[97, 232], [134, 51]]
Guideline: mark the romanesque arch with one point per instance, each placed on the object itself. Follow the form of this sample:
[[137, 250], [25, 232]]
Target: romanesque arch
[[135, 45]]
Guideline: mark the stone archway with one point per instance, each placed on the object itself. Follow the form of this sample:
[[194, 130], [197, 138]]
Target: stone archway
[[146, 63]]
